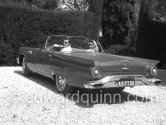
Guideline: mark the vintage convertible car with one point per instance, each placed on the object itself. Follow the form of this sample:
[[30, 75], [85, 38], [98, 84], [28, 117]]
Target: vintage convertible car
[[77, 61]]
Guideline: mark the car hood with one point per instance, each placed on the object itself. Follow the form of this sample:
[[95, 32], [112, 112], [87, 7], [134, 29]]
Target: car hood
[[110, 62]]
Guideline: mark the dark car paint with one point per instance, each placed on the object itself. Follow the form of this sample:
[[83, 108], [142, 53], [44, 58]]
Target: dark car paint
[[113, 64], [76, 66]]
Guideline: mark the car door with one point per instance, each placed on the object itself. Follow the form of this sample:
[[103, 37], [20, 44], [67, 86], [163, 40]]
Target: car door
[[49, 62], [30, 58], [42, 61]]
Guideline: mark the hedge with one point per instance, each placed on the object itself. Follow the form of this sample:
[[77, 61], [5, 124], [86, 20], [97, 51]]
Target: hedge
[[151, 42], [30, 27], [122, 50]]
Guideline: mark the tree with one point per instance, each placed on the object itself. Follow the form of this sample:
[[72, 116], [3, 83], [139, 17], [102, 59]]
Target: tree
[[50, 4], [118, 16], [96, 6], [160, 7], [79, 5], [146, 16]]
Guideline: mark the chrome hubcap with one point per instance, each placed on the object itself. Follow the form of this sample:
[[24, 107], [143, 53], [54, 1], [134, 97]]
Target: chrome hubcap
[[61, 83]]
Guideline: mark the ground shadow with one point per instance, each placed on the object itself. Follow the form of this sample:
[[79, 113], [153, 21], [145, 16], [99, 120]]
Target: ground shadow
[[88, 98], [162, 75]]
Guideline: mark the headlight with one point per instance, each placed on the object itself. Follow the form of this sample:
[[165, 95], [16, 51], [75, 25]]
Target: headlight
[[154, 71], [96, 72]]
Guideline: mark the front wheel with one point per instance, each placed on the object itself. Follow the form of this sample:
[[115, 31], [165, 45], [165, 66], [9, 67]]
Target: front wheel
[[62, 85], [25, 69]]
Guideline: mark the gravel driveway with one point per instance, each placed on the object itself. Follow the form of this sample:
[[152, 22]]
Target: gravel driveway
[[34, 101]]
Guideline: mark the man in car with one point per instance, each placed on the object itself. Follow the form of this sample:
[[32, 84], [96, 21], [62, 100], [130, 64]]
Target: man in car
[[66, 46]]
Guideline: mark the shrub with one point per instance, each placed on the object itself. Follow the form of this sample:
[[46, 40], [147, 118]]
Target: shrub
[[48, 4], [121, 50], [30, 27], [151, 35]]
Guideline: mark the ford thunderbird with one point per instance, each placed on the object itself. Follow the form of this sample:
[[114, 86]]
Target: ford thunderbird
[[77, 61]]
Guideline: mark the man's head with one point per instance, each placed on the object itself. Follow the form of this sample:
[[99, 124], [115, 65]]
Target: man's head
[[66, 43]]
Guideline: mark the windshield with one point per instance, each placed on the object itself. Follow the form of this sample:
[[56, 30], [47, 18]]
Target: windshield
[[79, 43]]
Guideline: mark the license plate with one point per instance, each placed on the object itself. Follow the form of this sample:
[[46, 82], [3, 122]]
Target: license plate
[[126, 82]]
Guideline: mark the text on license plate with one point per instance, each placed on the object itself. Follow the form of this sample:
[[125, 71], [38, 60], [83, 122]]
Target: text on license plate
[[125, 83]]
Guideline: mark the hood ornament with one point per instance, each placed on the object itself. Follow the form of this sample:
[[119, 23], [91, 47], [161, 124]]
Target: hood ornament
[[125, 68]]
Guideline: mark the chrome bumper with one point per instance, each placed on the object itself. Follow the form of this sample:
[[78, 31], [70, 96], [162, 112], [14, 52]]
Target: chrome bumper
[[112, 81]]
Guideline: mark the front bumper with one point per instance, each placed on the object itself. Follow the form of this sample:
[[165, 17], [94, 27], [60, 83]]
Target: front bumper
[[113, 82]]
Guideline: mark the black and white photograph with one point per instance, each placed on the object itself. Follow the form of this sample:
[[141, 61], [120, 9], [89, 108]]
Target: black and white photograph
[[82, 62]]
